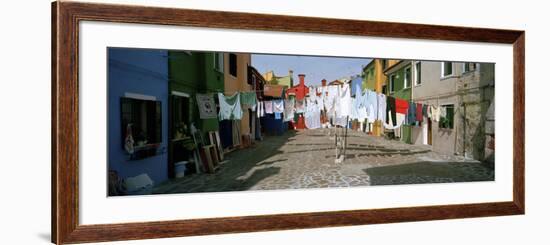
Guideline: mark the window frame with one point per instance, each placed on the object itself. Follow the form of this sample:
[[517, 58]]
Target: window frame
[[443, 75], [236, 64], [407, 80], [417, 73], [452, 124], [145, 115], [467, 64], [219, 61], [392, 82]]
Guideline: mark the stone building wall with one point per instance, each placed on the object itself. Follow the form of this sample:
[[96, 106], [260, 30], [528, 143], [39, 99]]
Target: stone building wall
[[475, 92]]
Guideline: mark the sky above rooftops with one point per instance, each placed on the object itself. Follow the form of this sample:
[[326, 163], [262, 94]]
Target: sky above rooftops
[[315, 68]]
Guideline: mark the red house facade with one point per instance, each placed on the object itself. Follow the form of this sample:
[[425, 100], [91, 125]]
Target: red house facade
[[300, 90]]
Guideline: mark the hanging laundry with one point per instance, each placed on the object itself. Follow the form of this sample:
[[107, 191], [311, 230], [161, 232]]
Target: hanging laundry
[[207, 106], [268, 105], [277, 115], [359, 95], [344, 108], [324, 92], [340, 121], [312, 114], [425, 110], [391, 110], [260, 111], [436, 113], [312, 92], [381, 115], [337, 119], [318, 90], [399, 120], [248, 99], [236, 132], [330, 99], [300, 106], [401, 106], [356, 83], [319, 98], [289, 110], [311, 104], [278, 106], [411, 113], [358, 111], [230, 107], [371, 103], [419, 114]]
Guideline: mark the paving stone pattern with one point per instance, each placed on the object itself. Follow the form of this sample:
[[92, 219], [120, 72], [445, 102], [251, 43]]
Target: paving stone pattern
[[306, 159]]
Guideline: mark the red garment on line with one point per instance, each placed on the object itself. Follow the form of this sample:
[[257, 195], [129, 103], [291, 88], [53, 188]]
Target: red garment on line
[[401, 106], [419, 115]]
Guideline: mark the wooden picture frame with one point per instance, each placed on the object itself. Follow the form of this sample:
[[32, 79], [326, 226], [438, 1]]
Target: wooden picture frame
[[65, 121]]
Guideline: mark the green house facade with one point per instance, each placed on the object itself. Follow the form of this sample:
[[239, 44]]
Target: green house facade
[[399, 86], [399, 81], [192, 73]]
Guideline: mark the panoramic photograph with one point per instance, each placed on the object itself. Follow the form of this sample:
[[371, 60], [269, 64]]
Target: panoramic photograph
[[182, 121]]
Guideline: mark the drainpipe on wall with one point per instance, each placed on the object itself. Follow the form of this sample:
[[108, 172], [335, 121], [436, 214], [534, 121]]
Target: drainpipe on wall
[[412, 98], [464, 130], [413, 77]]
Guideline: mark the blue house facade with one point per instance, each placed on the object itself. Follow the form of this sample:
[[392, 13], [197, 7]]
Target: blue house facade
[[138, 113]]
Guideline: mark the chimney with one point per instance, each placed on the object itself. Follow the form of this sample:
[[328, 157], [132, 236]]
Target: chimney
[[302, 82], [324, 82], [291, 75]]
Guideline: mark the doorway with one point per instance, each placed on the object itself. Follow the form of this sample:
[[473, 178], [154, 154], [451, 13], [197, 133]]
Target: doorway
[[179, 124]]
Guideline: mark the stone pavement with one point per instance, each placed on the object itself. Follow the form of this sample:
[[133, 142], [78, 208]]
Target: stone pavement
[[306, 159]]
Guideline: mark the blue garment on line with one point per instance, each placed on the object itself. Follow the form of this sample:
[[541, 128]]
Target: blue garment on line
[[356, 84], [371, 103], [411, 116]]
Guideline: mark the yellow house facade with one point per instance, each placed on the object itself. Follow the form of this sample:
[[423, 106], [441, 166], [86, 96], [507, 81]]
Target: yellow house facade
[[375, 80], [373, 74], [286, 81]]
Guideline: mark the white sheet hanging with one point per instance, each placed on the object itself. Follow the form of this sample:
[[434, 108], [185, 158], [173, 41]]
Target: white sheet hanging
[[330, 99], [371, 103], [312, 114], [230, 107], [268, 106], [381, 115], [260, 109], [344, 103], [400, 118], [278, 106]]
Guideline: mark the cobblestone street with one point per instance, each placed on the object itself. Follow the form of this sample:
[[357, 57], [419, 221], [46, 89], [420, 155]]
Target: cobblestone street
[[306, 159]]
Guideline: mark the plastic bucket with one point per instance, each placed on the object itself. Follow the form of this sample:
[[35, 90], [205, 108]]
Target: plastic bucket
[[180, 168]]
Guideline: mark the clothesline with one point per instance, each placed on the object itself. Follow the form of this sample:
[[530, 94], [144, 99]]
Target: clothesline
[[212, 91], [230, 91], [337, 103]]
